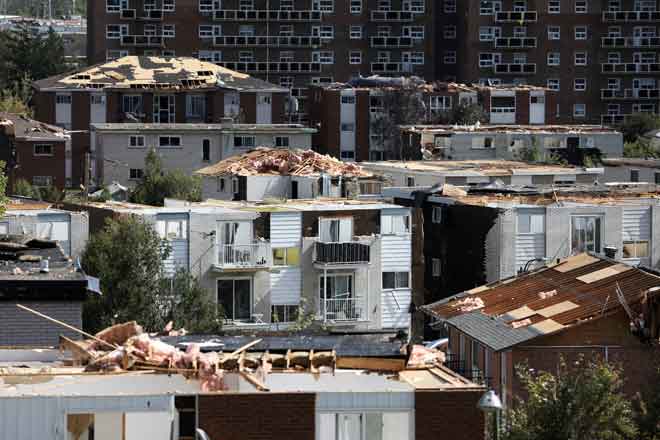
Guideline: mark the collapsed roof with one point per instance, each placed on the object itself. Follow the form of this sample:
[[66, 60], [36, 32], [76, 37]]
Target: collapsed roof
[[552, 299], [506, 128], [23, 128], [383, 82], [133, 72], [274, 161]]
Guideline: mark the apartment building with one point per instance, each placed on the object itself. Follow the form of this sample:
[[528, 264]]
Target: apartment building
[[632, 170], [510, 142], [122, 148], [602, 56], [349, 115], [293, 43], [148, 90], [344, 262]]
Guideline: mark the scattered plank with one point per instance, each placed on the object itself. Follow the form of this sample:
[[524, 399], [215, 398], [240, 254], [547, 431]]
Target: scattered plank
[[376, 364]]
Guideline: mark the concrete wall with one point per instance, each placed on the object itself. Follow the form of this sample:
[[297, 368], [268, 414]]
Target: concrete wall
[[21, 328], [260, 187], [622, 174]]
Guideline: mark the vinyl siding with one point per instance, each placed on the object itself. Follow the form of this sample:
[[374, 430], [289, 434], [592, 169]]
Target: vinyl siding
[[286, 286], [285, 229], [396, 256]]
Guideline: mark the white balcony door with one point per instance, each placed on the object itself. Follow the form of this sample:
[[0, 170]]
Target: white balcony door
[[336, 230], [235, 233], [164, 109]]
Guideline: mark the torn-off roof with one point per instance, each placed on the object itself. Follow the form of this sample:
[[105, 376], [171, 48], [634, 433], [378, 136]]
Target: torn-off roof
[[512, 129], [578, 289], [133, 72], [275, 161], [23, 128]]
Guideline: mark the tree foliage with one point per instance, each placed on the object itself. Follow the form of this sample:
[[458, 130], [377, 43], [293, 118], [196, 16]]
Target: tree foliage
[[638, 124], [582, 401], [157, 184], [468, 114], [647, 410], [127, 256], [39, 8], [640, 148]]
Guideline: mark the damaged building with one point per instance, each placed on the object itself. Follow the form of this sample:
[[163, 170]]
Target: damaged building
[[575, 144], [149, 90], [33, 151], [349, 116], [265, 173], [122, 148], [583, 305], [631, 170]]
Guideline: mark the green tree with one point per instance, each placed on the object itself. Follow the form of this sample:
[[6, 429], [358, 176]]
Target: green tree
[[640, 148], [638, 124], [157, 184], [3, 189], [582, 401], [468, 114], [647, 410], [25, 189]]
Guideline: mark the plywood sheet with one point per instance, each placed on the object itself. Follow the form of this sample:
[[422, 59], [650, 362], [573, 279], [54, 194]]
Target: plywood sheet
[[576, 262], [478, 290], [546, 326], [519, 313], [604, 273], [556, 309]]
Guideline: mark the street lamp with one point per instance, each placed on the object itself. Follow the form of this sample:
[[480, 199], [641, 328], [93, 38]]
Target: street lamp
[[490, 403]]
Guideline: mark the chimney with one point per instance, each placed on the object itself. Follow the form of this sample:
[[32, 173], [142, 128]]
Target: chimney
[[610, 251]]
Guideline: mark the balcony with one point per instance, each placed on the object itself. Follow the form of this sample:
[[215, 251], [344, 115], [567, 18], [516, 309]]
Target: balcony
[[630, 94], [515, 69], [515, 43], [149, 15], [244, 256], [630, 42], [342, 309], [391, 16], [272, 67], [329, 254], [516, 17], [266, 15], [473, 374], [631, 16], [383, 42], [391, 68], [263, 40], [630, 68], [612, 119], [143, 40]]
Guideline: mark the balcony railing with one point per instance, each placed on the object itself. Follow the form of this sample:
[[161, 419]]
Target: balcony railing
[[630, 94], [631, 16], [515, 43], [342, 253], [382, 42], [265, 15], [612, 119], [391, 67], [624, 68], [515, 17], [256, 255], [273, 66], [630, 42], [143, 40], [391, 16], [473, 374], [148, 15], [263, 40], [515, 69], [342, 309]]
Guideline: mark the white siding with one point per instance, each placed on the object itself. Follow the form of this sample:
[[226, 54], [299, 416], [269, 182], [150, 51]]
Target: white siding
[[530, 245], [285, 286], [395, 253], [395, 308], [396, 256], [55, 227], [264, 108], [178, 257], [285, 229]]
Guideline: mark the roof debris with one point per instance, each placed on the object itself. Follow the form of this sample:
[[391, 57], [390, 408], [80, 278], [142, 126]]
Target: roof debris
[[469, 304], [275, 161], [22, 127]]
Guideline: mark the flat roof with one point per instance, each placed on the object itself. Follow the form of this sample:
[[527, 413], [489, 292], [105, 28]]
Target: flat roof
[[176, 207], [230, 127], [320, 204], [514, 129], [632, 162]]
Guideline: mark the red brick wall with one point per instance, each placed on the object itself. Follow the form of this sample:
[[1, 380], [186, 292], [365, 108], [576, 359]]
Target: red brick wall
[[278, 107], [180, 108], [263, 416], [522, 107], [448, 415], [44, 107], [362, 123], [249, 107], [31, 165]]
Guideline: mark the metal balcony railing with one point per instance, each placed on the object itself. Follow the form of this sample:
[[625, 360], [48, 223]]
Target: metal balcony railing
[[391, 16], [254, 255], [630, 16], [391, 67], [271, 66], [630, 94], [624, 68], [630, 42], [515, 17], [381, 42], [515, 43], [612, 119], [266, 15], [342, 309], [342, 253], [515, 68], [143, 40], [263, 40], [473, 374]]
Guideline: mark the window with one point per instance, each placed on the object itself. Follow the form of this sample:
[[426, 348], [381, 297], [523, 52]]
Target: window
[[635, 249], [97, 99], [489, 7], [43, 150], [196, 106], [169, 141], [356, 32], [580, 84], [449, 32], [634, 175], [395, 224], [440, 103], [450, 6], [553, 84], [286, 256], [115, 31], [168, 31], [135, 174], [244, 142], [115, 54], [579, 110], [554, 33], [554, 6], [531, 223], [415, 32], [211, 56], [656, 178], [384, 5], [172, 229], [286, 81], [416, 58], [436, 267], [63, 98], [581, 6], [136, 141], [396, 280], [234, 295], [489, 33], [168, 5], [580, 32], [132, 104], [347, 127], [580, 58], [355, 57], [335, 230], [246, 30], [206, 150], [489, 59], [246, 5], [347, 155], [336, 291], [325, 32], [436, 215], [415, 6], [348, 99], [410, 181], [356, 6], [209, 31], [585, 234], [112, 5], [323, 57], [554, 58], [206, 5], [282, 141], [475, 351], [283, 313], [286, 5], [323, 5], [42, 181]]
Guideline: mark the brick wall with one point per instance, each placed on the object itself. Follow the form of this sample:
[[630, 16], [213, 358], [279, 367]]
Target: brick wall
[[263, 416], [21, 328], [448, 415]]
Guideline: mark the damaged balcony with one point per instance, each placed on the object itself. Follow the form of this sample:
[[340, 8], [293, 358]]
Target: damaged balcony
[[349, 253], [254, 256]]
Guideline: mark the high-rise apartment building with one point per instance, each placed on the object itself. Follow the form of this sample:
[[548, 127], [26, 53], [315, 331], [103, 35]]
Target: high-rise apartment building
[[601, 55], [292, 43]]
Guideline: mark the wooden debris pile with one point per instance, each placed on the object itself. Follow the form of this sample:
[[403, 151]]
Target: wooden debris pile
[[276, 161]]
